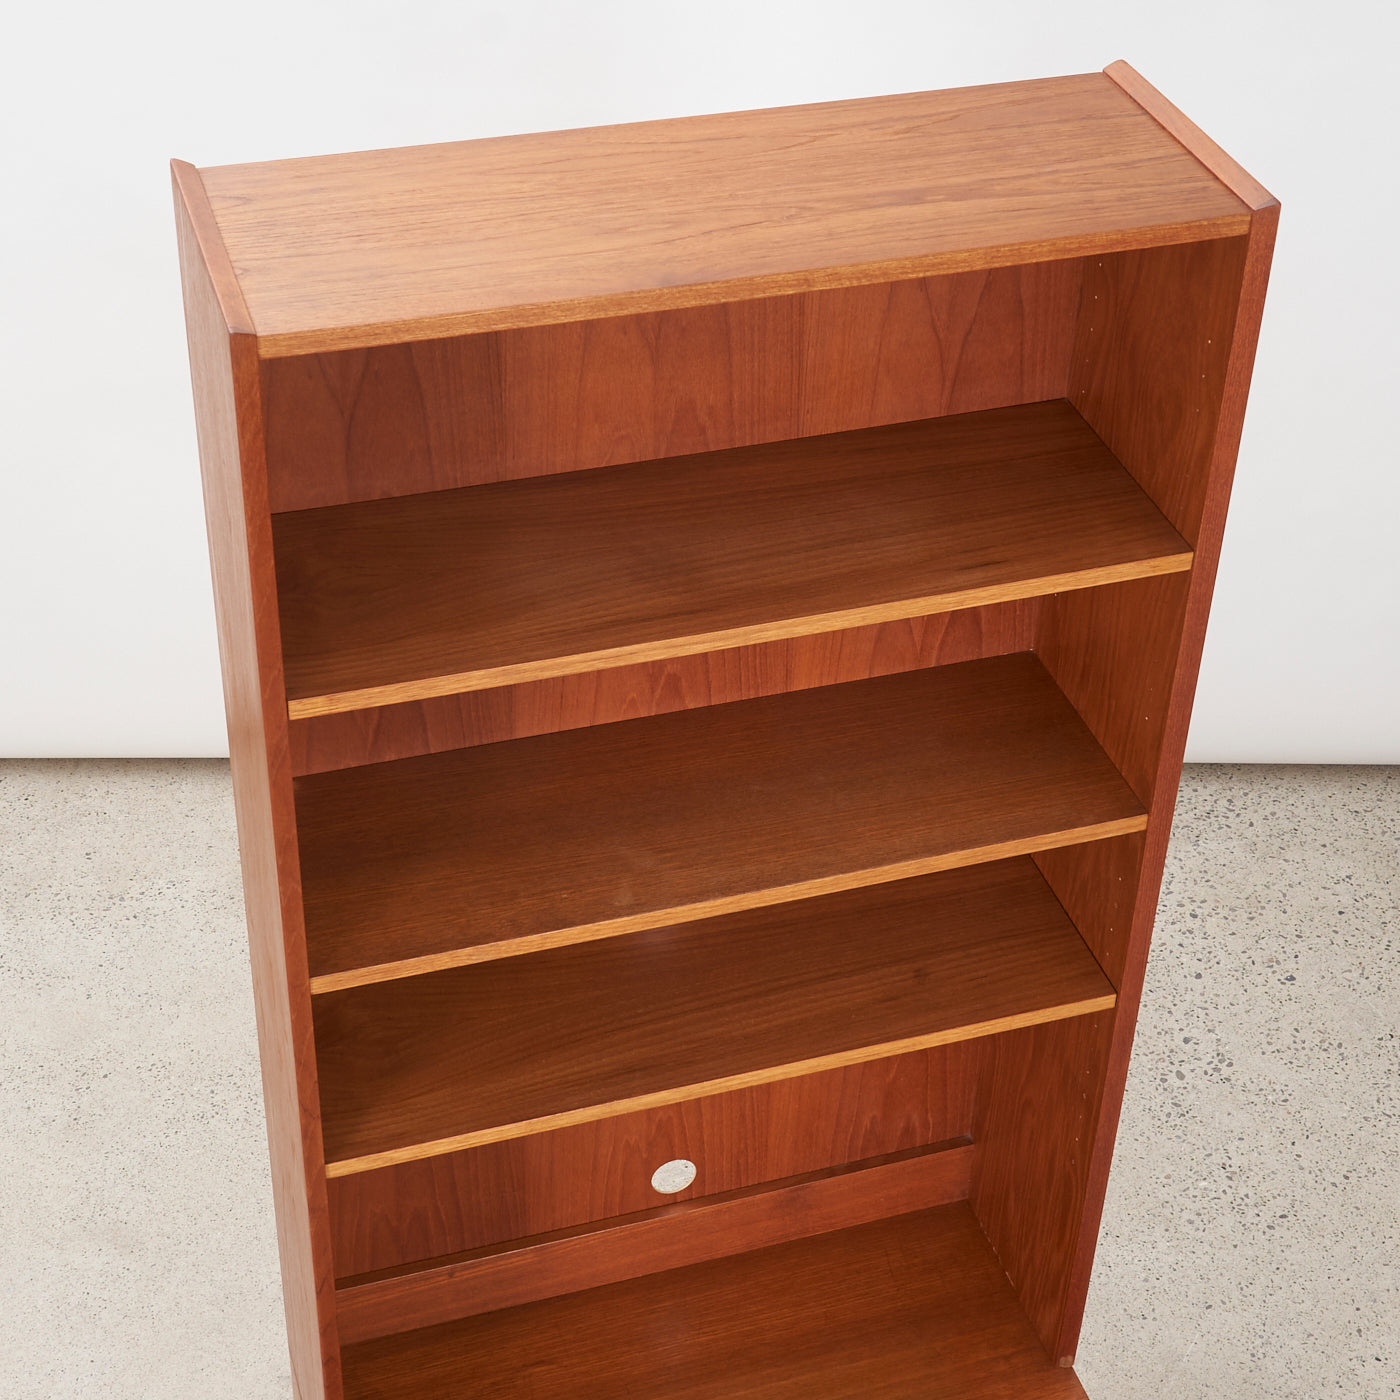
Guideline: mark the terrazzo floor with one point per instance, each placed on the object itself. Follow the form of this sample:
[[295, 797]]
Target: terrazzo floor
[[1251, 1241]]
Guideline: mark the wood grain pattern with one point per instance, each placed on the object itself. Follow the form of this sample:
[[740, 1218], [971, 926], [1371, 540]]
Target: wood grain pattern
[[1038, 1105], [1154, 335], [912, 1308], [1097, 887], [438, 414], [223, 369], [665, 1237], [1224, 448], [1170, 118], [417, 1211], [432, 241], [421, 1066], [503, 849], [1148, 373], [1149, 361], [1157, 346], [1170, 396], [1112, 651], [328, 742], [387, 601]]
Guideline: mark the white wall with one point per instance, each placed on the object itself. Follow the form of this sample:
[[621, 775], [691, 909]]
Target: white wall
[[106, 629]]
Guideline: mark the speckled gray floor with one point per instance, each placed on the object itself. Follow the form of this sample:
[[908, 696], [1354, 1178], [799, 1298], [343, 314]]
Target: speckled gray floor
[[1251, 1246], [1251, 1237]]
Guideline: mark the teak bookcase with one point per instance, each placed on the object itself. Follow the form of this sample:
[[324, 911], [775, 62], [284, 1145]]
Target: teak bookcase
[[709, 613]]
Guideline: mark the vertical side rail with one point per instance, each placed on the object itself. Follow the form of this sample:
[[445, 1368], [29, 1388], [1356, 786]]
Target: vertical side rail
[[1239, 368], [1161, 368], [228, 413]]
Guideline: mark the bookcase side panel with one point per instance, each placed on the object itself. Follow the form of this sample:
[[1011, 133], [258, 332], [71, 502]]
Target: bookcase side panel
[[1148, 374], [1096, 885], [1037, 1103], [1152, 351], [1150, 354], [1113, 652], [394, 420], [224, 370], [1246, 311], [1158, 349]]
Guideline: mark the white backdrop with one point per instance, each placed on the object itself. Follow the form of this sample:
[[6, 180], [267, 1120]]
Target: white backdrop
[[106, 627]]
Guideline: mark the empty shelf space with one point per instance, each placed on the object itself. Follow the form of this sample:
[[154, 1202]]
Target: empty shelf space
[[424, 863], [425, 1065], [416, 596], [910, 1308]]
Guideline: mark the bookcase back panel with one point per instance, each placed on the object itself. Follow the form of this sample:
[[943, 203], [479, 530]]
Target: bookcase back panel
[[430, 415], [1148, 369], [329, 742], [594, 1171]]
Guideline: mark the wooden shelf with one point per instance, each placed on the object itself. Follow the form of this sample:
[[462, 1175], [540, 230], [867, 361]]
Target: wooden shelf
[[426, 1065], [910, 1308], [448, 859], [416, 596]]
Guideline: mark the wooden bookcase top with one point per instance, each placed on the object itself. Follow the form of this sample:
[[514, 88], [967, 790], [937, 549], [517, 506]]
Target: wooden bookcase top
[[379, 247]]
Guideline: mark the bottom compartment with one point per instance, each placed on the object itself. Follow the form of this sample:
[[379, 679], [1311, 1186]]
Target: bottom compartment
[[915, 1307]]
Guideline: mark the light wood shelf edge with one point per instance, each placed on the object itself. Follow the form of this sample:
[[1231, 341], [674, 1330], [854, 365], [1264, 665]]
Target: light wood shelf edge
[[516, 317], [733, 904], [372, 698], [352, 1165], [189, 187]]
